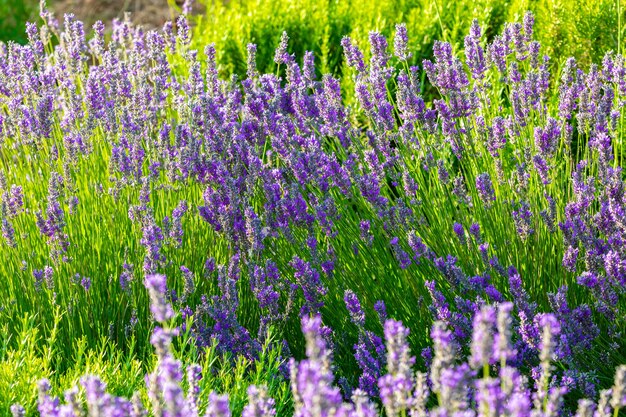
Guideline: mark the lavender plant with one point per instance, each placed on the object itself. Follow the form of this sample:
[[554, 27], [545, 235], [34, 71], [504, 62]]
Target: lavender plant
[[270, 200], [452, 383]]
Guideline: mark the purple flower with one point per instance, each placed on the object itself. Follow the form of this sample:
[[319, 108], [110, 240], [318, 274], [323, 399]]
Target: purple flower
[[182, 27], [550, 330], [17, 411], [396, 386], [569, 259], [176, 228], [259, 403], [160, 308], [403, 258], [354, 57], [369, 351], [189, 285], [419, 248], [267, 284], [218, 406], [522, 216], [53, 223], [187, 7], [482, 337], [38, 275], [475, 231], [209, 266], [281, 56], [126, 277], [445, 348], [308, 279], [8, 232], [251, 62], [366, 234], [400, 43], [381, 309], [503, 350], [485, 189], [48, 273], [354, 308], [542, 169], [546, 139], [15, 201], [86, 283], [460, 233], [411, 105], [460, 191], [474, 53], [588, 279], [216, 319], [378, 47], [496, 139], [442, 172], [311, 379], [152, 239]]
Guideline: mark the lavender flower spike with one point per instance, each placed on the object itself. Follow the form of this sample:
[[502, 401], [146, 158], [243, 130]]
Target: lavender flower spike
[[18, 411], [259, 404], [618, 398], [482, 338], [397, 386], [311, 380], [400, 43], [160, 308], [218, 406], [485, 190]]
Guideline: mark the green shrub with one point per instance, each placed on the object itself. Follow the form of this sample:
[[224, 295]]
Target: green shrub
[[579, 28]]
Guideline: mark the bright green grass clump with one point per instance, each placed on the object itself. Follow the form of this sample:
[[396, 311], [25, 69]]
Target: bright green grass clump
[[34, 358], [579, 28]]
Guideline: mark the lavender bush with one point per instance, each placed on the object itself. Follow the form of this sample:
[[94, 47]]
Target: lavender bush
[[493, 211], [484, 384]]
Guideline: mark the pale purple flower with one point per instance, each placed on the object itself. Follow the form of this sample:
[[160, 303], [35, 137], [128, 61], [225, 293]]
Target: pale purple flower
[[482, 337], [400, 43], [259, 403], [218, 406], [354, 308], [397, 386], [159, 306], [281, 56]]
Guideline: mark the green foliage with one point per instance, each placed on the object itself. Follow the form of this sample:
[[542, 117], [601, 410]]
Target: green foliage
[[319, 27], [21, 367], [580, 28], [31, 360], [583, 29], [13, 17]]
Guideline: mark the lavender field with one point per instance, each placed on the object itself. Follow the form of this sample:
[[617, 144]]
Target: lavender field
[[390, 236]]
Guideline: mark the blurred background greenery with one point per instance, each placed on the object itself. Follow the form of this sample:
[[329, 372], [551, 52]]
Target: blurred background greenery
[[13, 18]]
